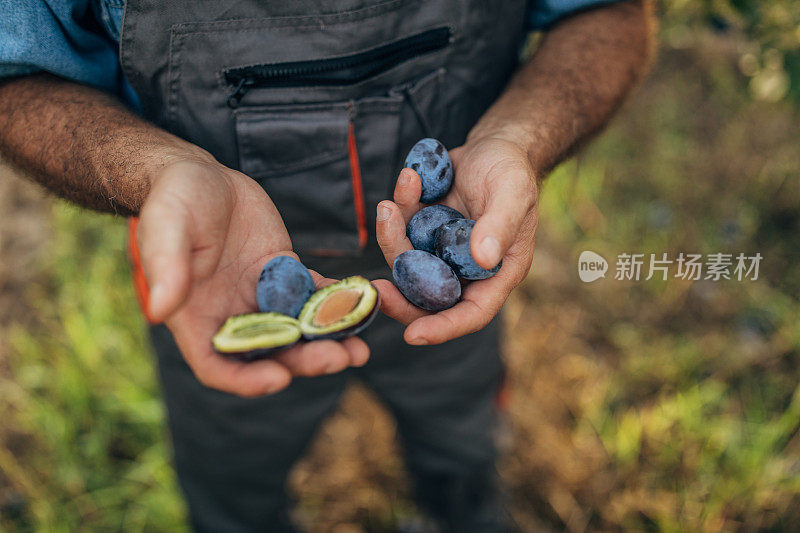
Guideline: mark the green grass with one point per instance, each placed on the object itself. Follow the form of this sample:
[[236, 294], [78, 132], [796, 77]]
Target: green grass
[[91, 451]]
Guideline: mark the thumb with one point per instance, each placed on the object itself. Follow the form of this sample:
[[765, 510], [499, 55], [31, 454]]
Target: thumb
[[390, 231], [165, 251], [506, 209]]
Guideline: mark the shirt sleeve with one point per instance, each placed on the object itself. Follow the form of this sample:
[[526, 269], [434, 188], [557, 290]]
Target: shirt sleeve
[[62, 37], [545, 13]]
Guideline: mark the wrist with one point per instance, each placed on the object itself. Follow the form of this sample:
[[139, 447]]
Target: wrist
[[191, 174], [167, 155], [141, 157], [520, 136], [512, 132]]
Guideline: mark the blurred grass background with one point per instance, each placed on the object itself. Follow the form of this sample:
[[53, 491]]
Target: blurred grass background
[[650, 405]]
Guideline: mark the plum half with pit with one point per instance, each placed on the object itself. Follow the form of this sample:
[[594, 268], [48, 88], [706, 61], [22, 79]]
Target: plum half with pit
[[429, 159], [425, 280], [452, 245], [340, 310]]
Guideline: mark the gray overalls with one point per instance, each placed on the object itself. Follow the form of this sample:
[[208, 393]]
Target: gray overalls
[[319, 101]]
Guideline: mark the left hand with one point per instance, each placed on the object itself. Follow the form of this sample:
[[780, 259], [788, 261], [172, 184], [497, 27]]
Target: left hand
[[205, 232], [495, 185]]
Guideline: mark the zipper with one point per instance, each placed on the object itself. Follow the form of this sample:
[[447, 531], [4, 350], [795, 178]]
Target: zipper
[[345, 70]]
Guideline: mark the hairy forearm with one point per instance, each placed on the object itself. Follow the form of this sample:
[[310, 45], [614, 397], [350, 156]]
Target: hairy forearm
[[83, 144], [578, 77]]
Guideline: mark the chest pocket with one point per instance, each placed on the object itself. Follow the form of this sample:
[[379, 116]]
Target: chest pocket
[[327, 165], [319, 110]]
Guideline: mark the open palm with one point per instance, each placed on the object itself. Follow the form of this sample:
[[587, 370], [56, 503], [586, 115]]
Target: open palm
[[204, 233]]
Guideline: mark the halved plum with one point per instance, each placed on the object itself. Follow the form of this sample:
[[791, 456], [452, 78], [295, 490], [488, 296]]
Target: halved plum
[[340, 310], [256, 335]]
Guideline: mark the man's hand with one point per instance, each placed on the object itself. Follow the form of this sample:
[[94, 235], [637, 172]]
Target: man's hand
[[495, 185], [565, 93], [204, 234]]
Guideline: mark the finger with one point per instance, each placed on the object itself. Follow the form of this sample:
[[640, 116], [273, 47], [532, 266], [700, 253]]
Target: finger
[[480, 302], [358, 350], [395, 305], [246, 379], [509, 203], [390, 230], [165, 251], [315, 358], [407, 192], [321, 281], [467, 316]]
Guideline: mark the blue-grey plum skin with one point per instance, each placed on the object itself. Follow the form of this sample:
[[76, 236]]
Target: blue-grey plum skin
[[425, 280], [452, 245], [421, 229], [429, 158], [284, 286]]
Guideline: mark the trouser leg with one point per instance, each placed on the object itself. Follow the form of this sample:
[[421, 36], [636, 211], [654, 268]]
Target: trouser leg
[[442, 397], [232, 454]]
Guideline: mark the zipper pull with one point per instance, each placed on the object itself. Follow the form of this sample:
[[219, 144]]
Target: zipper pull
[[238, 93]]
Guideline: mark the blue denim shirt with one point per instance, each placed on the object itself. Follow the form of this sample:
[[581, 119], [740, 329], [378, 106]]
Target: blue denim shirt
[[79, 39]]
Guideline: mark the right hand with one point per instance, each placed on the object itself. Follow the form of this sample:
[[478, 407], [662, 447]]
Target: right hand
[[205, 231]]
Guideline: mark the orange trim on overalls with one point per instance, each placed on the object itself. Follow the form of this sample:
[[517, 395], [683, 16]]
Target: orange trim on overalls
[[137, 273], [358, 189]]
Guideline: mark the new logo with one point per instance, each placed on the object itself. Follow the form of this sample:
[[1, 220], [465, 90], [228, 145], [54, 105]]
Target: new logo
[[591, 266]]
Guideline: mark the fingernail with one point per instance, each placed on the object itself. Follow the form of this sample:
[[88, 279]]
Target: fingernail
[[490, 248], [383, 213], [418, 341], [404, 178]]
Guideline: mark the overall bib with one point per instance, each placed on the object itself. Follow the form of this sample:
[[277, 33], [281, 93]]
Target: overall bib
[[319, 101]]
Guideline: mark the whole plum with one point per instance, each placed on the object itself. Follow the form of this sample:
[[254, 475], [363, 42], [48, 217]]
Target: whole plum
[[422, 227], [284, 286], [452, 245], [429, 158], [425, 280]]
